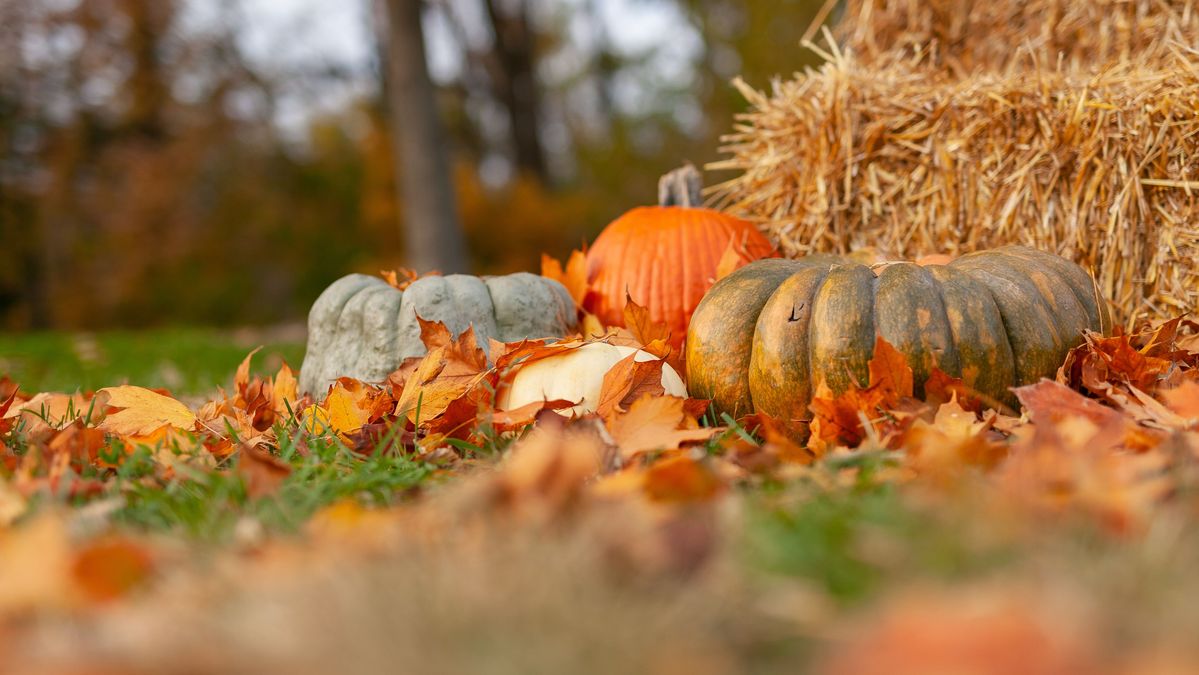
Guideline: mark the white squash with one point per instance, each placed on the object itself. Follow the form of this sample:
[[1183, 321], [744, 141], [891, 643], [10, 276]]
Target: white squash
[[577, 375]]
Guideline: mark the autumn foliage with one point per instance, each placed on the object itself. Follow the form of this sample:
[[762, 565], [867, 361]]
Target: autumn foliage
[[1107, 443]]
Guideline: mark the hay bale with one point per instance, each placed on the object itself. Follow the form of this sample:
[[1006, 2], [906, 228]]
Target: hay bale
[[1103, 169], [966, 35]]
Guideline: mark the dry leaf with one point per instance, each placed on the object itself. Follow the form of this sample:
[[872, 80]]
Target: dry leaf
[[654, 423], [447, 372], [262, 472], [109, 569], [626, 382], [681, 479], [574, 277], [137, 411]]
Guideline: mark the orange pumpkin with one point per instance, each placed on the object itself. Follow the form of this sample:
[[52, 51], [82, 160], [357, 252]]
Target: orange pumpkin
[[666, 256]]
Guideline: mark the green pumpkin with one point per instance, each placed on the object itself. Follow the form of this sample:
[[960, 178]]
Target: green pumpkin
[[765, 336], [361, 327]]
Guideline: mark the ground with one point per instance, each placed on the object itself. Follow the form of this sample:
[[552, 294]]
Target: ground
[[307, 550]]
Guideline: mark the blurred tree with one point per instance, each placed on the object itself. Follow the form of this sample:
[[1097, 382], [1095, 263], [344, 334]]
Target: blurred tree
[[151, 169], [433, 234]]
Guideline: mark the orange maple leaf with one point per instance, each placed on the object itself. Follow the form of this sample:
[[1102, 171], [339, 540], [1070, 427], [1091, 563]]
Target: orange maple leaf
[[841, 419], [573, 277], [655, 423], [628, 381], [681, 479], [446, 373]]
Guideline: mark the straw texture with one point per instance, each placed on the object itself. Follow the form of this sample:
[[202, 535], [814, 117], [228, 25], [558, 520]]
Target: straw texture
[[964, 35], [1100, 167]]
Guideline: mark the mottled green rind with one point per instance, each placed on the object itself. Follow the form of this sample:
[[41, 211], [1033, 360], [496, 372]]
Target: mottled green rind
[[984, 354], [720, 336], [766, 336], [910, 314], [842, 331], [779, 381]]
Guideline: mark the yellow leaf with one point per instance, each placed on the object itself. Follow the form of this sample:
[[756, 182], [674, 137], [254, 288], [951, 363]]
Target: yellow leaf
[[285, 392], [143, 411], [315, 420]]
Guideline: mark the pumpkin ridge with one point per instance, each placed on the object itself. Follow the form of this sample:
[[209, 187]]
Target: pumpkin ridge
[[1026, 353], [1068, 313], [986, 360], [1080, 283], [909, 313], [808, 328]]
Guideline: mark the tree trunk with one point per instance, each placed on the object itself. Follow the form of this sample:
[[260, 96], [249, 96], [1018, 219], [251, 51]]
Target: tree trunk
[[516, 83], [432, 233]]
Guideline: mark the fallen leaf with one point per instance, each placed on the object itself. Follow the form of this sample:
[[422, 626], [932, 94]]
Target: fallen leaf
[[627, 381], [884, 407], [969, 632], [573, 277], [1184, 400], [730, 260], [954, 438], [262, 472], [653, 423], [681, 479], [343, 413], [1049, 401], [642, 326], [137, 411], [284, 392], [545, 473], [890, 374], [446, 373], [110, 568], [35, 564]]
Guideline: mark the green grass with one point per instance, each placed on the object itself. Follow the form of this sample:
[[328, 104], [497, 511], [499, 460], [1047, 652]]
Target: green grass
[[208, 505], [854, 541], [187, 361]]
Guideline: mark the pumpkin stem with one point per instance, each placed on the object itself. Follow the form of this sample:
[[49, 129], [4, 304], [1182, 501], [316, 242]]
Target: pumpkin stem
[[681, 187]]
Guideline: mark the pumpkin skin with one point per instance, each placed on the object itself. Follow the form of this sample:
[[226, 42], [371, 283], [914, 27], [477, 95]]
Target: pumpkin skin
[[362, 327], [766, 335], [577, 375], [665, 256]]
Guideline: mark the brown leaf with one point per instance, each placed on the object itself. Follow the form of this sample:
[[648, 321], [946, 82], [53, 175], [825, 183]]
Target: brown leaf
[[519, 418], [262, 472], [446, 373], [890, 374], [402, 278], [1184, 400], [1050, 401], [639, 322], [955, 438], [653, 423], [731, 259], [435, 334], [779, 438], [681, 479], [80, 443], [628, 381], [241, 379], [941, 388], [546, 472], [284, 391], [110, 568]]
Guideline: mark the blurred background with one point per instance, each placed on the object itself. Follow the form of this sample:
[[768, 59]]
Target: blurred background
[[219, 162]]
